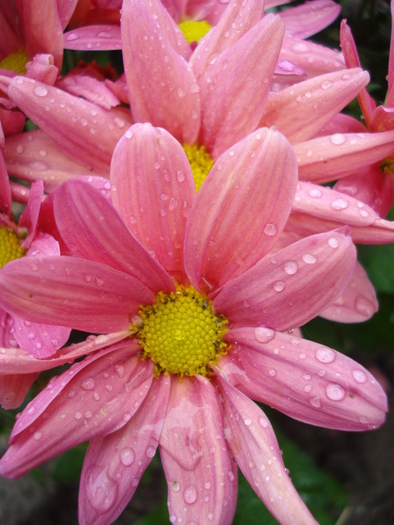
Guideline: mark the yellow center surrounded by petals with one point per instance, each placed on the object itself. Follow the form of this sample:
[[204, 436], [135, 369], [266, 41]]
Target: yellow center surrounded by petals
[[194, 30], [200, 162], [16, 61], [180, 333], [10, 246]]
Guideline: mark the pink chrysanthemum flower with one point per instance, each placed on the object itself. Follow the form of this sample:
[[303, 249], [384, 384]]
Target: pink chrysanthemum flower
[[204, 310]]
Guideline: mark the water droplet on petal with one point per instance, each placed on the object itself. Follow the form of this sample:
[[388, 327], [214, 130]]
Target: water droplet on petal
[[291, 267], [101, 490], [308, 258], [264, 335], [339, 204], [88, 384], [127, 457], [119, 369], [150, 452], [359, 376], [333, 242], [279, 286], [325, 355], [37, 435], [190, 495], [337, 139], [270, 229], [315, 401], [335, 392], [40, 91]]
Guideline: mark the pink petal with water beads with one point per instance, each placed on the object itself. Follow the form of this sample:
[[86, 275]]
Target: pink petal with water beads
[[309, 18], [330, 158], [201, 478], [114, 463], [341, 123], [358, 301], [305, 380], [30, 215], [98, 37], [163, 89], [240, 209], [82, 129], [153, 190], [83, 85], [318, 208], [38, 339], [252, 441], [291, 287], [14, 388], [235, 22], [5, 189], [93, 230], [315, 100], [231, 108], [67, 291], [94, 397]]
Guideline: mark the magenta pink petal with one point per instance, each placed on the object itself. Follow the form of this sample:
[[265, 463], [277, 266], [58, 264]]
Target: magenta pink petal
[[289, 288], [358, 301], [382, 119], [14, 388], [96, 396], [72, 292], [65, 11], [309, 18], [153, 190], [114, 463], [231, 108], [329, 158], [303, 379], [241, 208], [97, 37], [5, 189], [252, 441], [162, 86], [30, 215], [80, 128], [38, 339], [82, 85], [195, 457], [92, 229], [315, 101]]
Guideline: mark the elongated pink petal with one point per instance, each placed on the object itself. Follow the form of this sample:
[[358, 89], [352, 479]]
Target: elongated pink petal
[[30, 215], [5, 189], [240, 209], [162, 86], [329, 158], [114, 463], [97, 37], [96, 396], [38, 339], [317, 209], [83, 130], [358, 301], [252, 441], [93, 230], [291, 287], [348, 45], [153, 190], [195, 457], [65, 11], [72, 292], [231, 108], [14, 388], [303, 379], [309, 18], [16, 361], [83, 85], [235, 22], [315, 101], [341, 123]]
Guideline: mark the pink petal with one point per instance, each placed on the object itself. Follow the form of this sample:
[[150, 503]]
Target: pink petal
[[96, 396], [85, 131], [341, 123], [5, 189], [98, 37], [358, 301], [293, 286], [83, 85], [162, 86], [252, 441], [236, 21], [12, 122], [14, 388], [307, 19], [92, 229], [10, 36], [39, 340], [303, 379], [153, 189], [382, 119], [65, 11], [43, 69], [30, 215], [195, 457], [115, 463], [248, 191], [329, 158], [85, 295], [231, 108], [315, 101], [317, 209]]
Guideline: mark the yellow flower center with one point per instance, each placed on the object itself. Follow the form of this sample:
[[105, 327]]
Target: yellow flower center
[[10, 246], [194, 30], [387, 165], [16, 61], [200, 162], [180, 333]]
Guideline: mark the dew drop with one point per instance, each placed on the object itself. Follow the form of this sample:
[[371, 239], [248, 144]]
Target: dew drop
[[101, 490], [37, 435], [272, 372], [333, 242], [339, 204], [264, 335], [150, 452], [270, 229], [291, 267], [119, 369], [190, 495], [315, 401], [337, 139], [335, 392], [359, 376], [279, 286], [325, 355], [315, 193], [308, 258], [127, 456], [40, 91], [364, 307], [88, 384]]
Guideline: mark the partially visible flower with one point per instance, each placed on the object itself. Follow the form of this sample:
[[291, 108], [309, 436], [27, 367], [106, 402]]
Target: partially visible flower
[[191, 281]]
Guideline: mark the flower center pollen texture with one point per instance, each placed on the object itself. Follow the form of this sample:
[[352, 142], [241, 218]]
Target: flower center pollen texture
[[10, 246]]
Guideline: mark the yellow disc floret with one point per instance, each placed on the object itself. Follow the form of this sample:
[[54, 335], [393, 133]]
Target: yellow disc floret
[[194, 30], [10, 246], [180, 333], [16, 61], [200, 162]]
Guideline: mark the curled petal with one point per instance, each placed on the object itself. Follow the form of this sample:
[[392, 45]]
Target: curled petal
[[309, 18], [14, 388]]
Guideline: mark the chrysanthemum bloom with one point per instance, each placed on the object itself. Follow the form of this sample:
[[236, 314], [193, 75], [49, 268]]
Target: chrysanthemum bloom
[[188, 277]]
